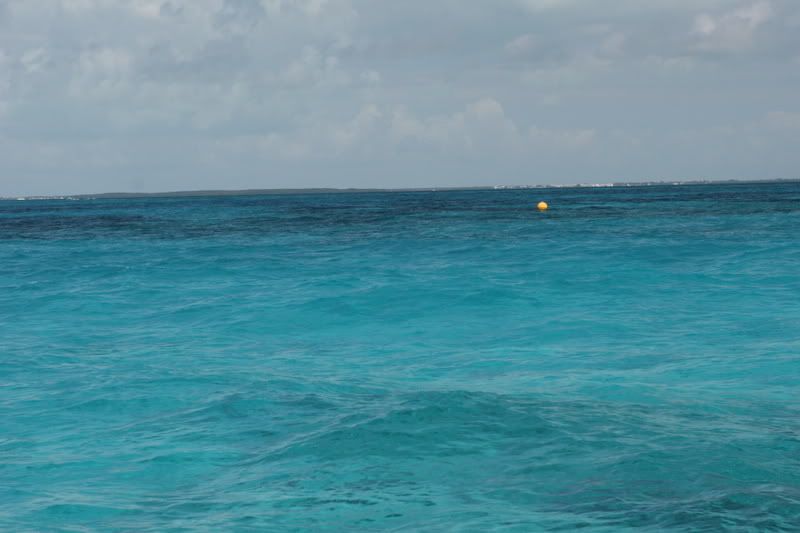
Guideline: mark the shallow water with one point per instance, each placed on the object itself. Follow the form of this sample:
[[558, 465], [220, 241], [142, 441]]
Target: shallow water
[[454, 361]]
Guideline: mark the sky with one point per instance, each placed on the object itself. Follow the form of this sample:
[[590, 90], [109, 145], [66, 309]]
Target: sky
[[160, 95]]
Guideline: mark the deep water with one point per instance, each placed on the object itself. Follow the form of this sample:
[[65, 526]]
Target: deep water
[[439, 361]]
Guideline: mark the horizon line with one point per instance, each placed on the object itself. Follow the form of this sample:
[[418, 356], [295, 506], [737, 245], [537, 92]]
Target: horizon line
[[344, 190]]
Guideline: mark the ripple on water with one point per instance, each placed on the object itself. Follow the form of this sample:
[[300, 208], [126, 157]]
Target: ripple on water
[[420, 361]]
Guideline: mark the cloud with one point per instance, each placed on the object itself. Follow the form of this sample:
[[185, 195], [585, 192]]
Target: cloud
[[483, 121], [784, 120], [538, 5], [5, 84], [732, 30], [105, 90], [483, 126], [522, 44], [480, 127], [355, 131], [313, 69]]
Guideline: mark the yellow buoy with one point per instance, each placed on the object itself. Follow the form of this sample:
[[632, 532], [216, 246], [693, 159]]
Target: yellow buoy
[[542, 206]]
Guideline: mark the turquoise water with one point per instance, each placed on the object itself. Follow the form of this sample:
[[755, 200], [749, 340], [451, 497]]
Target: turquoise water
[[446, 361]]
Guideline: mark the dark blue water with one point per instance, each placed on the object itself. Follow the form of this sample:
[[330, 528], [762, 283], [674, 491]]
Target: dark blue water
[[449, 361]]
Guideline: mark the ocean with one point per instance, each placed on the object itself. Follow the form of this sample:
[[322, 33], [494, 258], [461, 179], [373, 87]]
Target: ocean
[[404, 361]]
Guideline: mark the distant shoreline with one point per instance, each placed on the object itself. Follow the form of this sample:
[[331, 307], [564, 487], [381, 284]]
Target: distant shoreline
[[263, 192]]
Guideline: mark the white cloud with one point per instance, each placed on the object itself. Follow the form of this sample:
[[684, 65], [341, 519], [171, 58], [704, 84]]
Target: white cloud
[[783, 120], [562, 138], [358, 129], [83, 5], [304, 82], [101, 74], [671, 65], [612, 44], [480, 122], [733, 30], [314, 68], [147, 8], [34, 60], [522, 44], [310, 7], [371, 77], [5, 83], [483, 126], [538, 5]]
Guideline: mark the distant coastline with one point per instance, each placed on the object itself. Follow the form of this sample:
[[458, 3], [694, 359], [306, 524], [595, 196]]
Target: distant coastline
[[261, 192]]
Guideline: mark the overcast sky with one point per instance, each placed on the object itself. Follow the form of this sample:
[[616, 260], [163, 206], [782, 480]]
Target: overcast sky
[[154, 95]]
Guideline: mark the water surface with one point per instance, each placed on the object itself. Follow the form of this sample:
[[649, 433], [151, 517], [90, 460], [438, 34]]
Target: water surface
[[443, 361]]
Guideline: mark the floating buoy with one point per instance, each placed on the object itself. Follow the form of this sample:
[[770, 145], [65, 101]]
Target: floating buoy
[[542, 206]]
